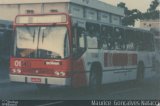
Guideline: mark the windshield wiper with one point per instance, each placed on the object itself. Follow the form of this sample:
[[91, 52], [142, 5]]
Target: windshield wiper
[[43, 36], [39, 30], [34, 35]]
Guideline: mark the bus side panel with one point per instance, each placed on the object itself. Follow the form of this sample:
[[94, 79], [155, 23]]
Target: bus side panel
[[147, 59], [119, 66], [78, 74]]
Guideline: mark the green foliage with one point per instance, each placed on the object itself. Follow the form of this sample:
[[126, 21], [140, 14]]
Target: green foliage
[[134, 14], [153, 6], [152, 13], [130, 15]]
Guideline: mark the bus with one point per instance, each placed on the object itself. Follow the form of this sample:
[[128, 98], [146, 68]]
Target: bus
[[5, 36], [60, 49], [156, 33]]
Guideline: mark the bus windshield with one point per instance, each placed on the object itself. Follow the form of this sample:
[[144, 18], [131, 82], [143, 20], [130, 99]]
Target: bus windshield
[[42, 42]]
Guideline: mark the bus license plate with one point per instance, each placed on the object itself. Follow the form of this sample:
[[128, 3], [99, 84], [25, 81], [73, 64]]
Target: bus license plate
[[36, 80]]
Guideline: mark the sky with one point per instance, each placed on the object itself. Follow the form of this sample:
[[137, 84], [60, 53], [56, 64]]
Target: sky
[[141, 5]]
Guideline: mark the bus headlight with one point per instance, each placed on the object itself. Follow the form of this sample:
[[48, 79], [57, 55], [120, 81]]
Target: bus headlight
[[19, 71], [14, 71], [57, 73], [62, 74]]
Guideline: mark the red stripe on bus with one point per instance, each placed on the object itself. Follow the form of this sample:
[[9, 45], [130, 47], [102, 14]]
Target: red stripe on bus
[[106, 59], [120, 59], [134, 59]]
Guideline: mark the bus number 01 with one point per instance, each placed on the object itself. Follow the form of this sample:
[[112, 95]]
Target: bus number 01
[[17, 63]]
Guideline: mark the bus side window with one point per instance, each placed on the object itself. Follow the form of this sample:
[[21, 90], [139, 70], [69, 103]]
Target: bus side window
[[148, 42], [78, 41], [130, 39], [145, 41], [152, 41], [81, 35], [142, 43], [136, 40], [119, 39], [107, 41], [104, 37], [93, 37], [74, 39]]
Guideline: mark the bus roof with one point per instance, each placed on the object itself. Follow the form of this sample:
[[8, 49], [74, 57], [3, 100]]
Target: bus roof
[[107, 24]]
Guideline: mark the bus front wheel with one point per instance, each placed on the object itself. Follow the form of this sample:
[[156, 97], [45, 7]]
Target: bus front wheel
[[95, 80]]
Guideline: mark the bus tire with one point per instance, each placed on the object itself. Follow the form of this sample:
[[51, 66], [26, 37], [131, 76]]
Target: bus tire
[[140, 72], [95, 79]]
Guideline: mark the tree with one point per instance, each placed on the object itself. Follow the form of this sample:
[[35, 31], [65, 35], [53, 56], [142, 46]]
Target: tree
[[153, 6], [130, 15], [152, 13]]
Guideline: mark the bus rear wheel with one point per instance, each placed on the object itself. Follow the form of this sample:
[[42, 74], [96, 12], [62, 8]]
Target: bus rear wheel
[[95, 80]]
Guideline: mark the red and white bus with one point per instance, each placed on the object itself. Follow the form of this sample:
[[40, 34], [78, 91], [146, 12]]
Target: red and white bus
[[59, 49]]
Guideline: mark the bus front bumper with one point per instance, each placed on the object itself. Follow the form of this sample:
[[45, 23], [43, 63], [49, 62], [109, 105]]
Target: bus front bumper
[[41, 80]]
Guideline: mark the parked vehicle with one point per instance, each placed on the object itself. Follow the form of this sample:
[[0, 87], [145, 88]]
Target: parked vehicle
[[6, 31]]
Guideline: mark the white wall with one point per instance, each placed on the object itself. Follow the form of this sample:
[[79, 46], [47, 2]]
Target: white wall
[[55, 6], [8, 12], [35, 7]]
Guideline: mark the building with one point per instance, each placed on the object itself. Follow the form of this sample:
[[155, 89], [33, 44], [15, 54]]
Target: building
[[148, 24], [91, 9]]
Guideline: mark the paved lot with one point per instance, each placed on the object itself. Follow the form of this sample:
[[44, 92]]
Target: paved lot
[[149, 89]]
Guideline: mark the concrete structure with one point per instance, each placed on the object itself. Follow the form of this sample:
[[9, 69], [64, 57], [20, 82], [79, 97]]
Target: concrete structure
[[148, 24], [91, 9]]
